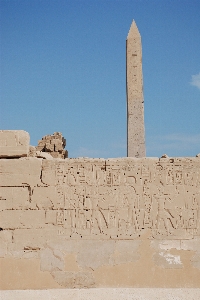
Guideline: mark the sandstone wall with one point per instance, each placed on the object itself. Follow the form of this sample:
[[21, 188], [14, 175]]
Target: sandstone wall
[[77, 223]]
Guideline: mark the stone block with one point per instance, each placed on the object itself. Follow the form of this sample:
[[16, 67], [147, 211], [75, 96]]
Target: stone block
[[15, 219], [15, 198], [20, 172], [5, 239], [45, 197], [32, 151], [51, 217], [14, 143], [44, 155], [34, 238]]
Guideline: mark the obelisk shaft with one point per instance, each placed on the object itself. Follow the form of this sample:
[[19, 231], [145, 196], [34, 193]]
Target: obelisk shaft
[[134, 91]]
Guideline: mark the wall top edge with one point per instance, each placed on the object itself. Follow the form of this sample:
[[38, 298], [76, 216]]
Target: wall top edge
[[118, 159]]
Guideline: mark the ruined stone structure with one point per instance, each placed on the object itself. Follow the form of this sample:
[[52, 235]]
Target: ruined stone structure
[[98, 223], [135, 99], [54, 145], [108, 229]]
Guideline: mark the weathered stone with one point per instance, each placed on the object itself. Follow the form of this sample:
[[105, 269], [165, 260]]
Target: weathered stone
[[44, 155], [115, 217], [93, 254], [32, 151], [34, 239], [5, 239], [52, 144], [51, 260], [45, 197], [74, 279], [164, 156], [15, 198], [135, 99], [20, 172], [14, 143], [15, 219]]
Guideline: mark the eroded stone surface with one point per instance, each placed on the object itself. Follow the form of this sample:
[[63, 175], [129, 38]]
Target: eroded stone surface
[[124, 222], [52, 144], [23, 172], [74, 279]]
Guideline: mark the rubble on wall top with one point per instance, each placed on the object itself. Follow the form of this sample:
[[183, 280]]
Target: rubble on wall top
[[16, 144], [54, 145]]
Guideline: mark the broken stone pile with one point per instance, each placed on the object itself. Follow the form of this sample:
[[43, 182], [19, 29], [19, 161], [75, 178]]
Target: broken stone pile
[[54, 145]]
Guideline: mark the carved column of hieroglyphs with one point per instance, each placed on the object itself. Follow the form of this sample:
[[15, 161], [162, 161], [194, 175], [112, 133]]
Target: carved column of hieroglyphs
[[135, 100]]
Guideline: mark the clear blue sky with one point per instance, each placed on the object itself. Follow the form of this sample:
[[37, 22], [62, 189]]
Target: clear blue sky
[[63, 69]]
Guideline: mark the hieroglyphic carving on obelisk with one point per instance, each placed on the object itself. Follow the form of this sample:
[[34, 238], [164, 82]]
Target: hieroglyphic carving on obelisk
[[134, 90]]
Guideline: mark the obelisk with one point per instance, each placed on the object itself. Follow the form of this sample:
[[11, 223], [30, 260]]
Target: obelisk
[[134, 92]]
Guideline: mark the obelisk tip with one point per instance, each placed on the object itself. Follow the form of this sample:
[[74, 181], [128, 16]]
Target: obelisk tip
[[133, 31]]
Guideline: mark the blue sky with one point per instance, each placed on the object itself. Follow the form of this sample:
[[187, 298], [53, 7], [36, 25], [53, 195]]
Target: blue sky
[[63, 69]]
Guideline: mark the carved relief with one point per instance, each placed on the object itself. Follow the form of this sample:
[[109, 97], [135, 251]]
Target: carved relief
[[121, 200], [114, 199], [73, 202]]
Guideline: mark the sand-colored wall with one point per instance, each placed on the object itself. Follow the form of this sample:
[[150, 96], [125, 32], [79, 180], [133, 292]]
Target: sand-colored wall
[[96, 223]]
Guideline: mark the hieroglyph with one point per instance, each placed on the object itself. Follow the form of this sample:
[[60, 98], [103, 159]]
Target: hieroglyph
[[120, 200], [104, 199]]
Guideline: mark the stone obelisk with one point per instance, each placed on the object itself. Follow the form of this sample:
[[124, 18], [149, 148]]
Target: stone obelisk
[[134, 91]]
